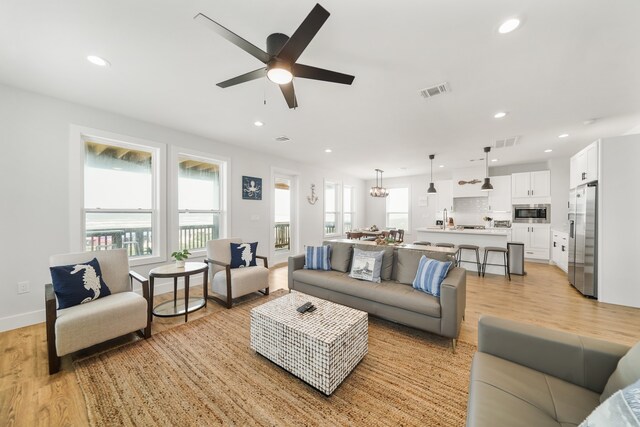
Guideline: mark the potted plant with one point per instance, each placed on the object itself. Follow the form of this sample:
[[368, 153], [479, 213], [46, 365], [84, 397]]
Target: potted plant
[[180, 256], [488, 220]]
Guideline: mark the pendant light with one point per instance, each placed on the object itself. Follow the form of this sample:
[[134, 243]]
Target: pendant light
[[432, 188], [487, 182], [378, 190]]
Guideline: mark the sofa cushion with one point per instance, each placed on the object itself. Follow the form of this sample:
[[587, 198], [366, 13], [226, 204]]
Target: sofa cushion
[[627, 372], [387, 259], [503, 393], [318, 258], [341, 253], [430, 275], [366, 265], [389, 293]]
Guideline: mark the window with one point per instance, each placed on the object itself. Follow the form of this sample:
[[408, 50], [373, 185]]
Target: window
[[331, 190], [348, 206], [398, 208], [200, 201], [120, 202]]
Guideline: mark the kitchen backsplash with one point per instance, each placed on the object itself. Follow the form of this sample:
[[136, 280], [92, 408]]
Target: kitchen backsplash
[[471, 210]]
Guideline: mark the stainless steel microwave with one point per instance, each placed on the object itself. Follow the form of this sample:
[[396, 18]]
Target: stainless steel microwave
[[532, 214]]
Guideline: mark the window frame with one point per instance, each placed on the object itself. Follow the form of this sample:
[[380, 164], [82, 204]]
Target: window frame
[[352, 208], [77, 225], [174, 222], [408, 212], [338, 207]]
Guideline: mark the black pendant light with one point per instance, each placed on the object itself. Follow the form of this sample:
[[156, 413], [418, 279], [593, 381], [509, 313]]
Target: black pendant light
[[487, 182], [378, 190], [432, 188]]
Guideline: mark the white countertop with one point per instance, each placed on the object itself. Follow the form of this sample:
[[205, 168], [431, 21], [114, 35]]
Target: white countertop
[[488, 231]]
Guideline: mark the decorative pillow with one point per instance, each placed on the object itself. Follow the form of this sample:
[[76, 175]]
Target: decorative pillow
[[626, 373], [430, 275], [78, 283], [366, 265], [387, 259], [621, 409], [318, 258], [243, 254]]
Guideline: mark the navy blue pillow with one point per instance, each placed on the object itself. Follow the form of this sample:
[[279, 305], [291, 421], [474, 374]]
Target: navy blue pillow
[[243, 254], [78, 283]]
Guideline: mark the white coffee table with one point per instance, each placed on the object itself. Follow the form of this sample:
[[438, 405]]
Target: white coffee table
[[321, 347]]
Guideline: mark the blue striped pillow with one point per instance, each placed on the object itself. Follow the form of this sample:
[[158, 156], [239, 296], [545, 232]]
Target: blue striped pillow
[[430, 275], [318, 258]]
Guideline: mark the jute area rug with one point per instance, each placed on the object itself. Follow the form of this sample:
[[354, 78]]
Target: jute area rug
[[204, 373]]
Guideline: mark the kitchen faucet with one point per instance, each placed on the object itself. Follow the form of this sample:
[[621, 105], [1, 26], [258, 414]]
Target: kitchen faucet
[[444, 219]]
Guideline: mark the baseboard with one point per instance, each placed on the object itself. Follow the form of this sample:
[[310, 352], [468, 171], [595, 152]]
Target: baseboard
[[38, 316]]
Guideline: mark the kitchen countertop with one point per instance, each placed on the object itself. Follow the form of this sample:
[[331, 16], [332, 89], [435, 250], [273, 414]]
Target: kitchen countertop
[[488, 231]]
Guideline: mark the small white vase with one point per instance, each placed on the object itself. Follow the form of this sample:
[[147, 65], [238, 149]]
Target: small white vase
[[180, 264]]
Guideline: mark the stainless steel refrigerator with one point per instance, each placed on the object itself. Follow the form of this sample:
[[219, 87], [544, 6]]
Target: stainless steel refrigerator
[[583, 239]]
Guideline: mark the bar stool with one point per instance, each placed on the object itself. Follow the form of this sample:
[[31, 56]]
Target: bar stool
[[497, 249], [422, 242], [470, 248], [445, 245]]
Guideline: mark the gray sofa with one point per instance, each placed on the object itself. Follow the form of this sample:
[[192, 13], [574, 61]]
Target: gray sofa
[[524, 375], [394, 298]]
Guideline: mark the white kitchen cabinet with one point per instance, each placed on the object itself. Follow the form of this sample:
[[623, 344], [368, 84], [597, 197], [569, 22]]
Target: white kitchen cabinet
[[444, 196], [500, 196], [531, 187], [536, 239], [560, 249], [584, 166]]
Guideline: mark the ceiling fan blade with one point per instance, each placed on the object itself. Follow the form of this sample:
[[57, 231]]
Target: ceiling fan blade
[[233, 38], [289, 94], [251, 75], [298, 42], [309, 72]]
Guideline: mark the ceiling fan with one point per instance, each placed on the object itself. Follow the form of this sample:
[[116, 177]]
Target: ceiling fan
[[281, 55]]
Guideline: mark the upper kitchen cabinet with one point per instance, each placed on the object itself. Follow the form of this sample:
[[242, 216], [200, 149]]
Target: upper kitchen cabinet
[[444, 196], [467, 182], [531, 187], [584, 166], [500, 196]]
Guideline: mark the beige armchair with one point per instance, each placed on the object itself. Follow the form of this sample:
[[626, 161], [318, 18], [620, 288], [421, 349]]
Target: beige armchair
[[81, 326], [228, 283]]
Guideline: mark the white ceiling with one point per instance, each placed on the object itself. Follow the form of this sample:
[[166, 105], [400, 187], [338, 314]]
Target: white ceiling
[[571, 60]]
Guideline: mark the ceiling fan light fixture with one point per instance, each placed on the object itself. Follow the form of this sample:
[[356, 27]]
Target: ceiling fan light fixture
[[279, 73]]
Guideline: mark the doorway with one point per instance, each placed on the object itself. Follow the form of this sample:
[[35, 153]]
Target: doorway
[[284, 217]]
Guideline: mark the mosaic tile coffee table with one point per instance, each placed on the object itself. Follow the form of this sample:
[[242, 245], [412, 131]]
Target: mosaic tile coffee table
[[321, 347]]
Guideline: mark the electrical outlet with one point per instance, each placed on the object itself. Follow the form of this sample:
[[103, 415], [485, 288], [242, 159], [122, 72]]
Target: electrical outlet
[[23, 287]]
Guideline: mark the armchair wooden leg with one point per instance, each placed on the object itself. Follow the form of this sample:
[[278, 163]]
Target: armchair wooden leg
[[51, 315], [266, 291]]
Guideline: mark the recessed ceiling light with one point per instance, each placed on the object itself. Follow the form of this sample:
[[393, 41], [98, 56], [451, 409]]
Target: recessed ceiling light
[[499, 114], [494, 160], [328, 150], [441, 166], [564, 135], [548, 150], [258, 123], [96, 60], [509, 25]]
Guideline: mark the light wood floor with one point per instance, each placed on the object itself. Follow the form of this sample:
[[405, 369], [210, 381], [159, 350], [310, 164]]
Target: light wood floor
[[30, 397]]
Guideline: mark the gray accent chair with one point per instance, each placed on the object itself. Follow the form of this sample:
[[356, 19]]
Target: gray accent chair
[[82, 326], [525, 375], [228, 283], [394, 298]]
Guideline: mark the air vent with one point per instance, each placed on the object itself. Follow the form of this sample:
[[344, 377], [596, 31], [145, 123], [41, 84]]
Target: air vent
[[435, 90], [506, 142], [283, 138]]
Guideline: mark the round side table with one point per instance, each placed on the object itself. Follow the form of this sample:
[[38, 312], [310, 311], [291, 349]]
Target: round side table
[[174, 307]]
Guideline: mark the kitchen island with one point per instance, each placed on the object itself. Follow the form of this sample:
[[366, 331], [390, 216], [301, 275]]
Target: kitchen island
[[482, 238]]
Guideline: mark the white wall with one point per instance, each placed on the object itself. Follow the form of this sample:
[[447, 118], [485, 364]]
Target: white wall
[[618, 233], [35, 181], [559, 168]]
